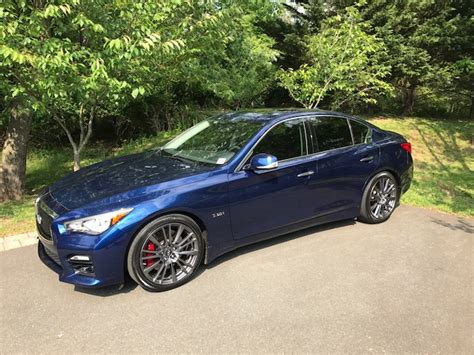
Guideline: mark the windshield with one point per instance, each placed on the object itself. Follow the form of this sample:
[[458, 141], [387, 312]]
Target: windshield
[[213, 141]]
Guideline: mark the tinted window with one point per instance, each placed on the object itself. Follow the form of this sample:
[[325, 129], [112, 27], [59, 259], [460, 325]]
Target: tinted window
[[332, 132], [285, 141], [361, 133]]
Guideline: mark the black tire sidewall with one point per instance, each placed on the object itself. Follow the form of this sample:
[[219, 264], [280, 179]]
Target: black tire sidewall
[[133, 257]]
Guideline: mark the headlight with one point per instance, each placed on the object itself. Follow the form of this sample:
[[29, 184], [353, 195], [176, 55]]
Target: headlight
[[96, 224]]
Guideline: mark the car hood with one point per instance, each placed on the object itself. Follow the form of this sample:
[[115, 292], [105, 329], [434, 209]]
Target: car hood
[[119, 175]]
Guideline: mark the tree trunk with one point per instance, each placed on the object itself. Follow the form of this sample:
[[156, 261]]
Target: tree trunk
[[471, 110], [408, 97], [86, 132], [77, 160], [13, 168]]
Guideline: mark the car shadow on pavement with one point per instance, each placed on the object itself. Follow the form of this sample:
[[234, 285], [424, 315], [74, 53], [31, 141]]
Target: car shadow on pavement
[[460, 225], [130, 285], [126, 287]]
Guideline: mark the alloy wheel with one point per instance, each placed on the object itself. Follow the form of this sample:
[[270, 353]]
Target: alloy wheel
[[169, 253], [383, 197]]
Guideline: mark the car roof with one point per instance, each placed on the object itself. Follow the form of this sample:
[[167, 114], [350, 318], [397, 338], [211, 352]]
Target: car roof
[[272, 116]]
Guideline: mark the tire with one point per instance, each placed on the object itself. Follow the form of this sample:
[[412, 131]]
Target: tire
[[379, 200], [166, 253]]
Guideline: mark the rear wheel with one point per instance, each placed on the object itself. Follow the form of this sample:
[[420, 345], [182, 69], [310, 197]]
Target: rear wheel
[[166, 253], [379, 199]]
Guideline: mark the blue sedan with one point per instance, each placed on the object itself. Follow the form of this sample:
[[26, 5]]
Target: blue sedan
[[230, 180]]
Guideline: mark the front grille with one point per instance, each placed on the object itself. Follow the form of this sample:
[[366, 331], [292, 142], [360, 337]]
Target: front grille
[[45, 215], [44, 228]]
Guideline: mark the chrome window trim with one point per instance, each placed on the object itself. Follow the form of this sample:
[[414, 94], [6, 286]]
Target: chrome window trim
[[312, 155], [350, 130]]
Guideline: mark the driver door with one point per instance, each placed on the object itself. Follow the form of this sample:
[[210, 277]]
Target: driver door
[[262, 201]]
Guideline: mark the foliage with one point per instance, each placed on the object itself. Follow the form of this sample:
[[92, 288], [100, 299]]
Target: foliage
[[424, 39], [241, 71], [344, 61], [79, 60], [74, 60]]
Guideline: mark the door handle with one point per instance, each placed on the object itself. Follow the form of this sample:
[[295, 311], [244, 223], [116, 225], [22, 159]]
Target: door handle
[[306, 173], [367, 159]]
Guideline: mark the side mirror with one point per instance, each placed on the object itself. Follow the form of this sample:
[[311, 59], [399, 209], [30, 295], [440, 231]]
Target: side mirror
[[263, 161]]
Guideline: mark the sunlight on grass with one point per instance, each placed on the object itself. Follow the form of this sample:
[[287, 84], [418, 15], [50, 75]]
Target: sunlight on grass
[[17, 217], [442, 150]]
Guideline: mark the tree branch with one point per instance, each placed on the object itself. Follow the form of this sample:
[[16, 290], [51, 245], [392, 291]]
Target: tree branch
[[68, 132], [89, 128], [81, 126], [352, 95]]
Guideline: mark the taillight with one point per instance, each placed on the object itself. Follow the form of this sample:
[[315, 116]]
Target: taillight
[[406, 146]]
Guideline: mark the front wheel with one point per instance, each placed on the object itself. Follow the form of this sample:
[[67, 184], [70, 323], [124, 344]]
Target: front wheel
[[379, 199], [166, 253]]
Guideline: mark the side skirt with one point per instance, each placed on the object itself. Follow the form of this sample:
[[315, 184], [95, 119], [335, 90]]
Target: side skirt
[[333, 217]]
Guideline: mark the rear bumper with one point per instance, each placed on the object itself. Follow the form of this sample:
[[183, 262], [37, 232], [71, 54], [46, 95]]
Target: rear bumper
[[406, 178]]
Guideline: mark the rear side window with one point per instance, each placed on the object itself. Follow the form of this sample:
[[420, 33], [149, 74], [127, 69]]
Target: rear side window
[[285, 141], [331, 132], [362, 133]]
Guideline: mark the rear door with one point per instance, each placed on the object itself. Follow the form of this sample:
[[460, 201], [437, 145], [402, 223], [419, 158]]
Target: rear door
[[346, 157]]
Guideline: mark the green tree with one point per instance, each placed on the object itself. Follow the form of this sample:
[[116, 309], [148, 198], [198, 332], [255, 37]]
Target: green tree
[[78, 60], [226, 61], [239, 67], [423, 38], [343, 62]]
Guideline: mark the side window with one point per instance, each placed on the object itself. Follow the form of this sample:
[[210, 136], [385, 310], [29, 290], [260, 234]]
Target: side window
[[286, 140], [361, 133], [331, 132]]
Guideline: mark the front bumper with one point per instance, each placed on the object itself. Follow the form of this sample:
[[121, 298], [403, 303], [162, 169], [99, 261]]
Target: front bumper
[[106, 255]]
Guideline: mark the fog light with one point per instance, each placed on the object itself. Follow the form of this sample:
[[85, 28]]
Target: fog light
[[79, 258], [86, 270], [82, 264]]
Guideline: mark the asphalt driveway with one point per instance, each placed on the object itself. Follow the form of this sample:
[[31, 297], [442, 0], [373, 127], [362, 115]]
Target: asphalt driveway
[[402, 286]]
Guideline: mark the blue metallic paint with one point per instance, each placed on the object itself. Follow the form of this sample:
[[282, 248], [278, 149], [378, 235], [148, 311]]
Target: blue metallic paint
[[234, 206]]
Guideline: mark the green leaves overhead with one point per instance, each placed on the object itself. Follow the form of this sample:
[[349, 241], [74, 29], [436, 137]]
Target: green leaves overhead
[[79, 60]]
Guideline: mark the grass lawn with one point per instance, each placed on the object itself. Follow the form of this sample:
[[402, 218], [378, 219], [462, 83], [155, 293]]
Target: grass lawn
[[444, 162], [442, 150]]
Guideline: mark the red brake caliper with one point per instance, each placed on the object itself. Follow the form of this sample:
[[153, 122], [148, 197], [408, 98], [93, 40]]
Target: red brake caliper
[[149, 246]]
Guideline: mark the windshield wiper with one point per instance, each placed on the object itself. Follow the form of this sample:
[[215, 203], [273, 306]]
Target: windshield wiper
[[176, 157]]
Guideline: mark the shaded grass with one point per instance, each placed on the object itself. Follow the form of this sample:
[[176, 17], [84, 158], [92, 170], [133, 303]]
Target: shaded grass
[[442, 151], [444, 162]]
